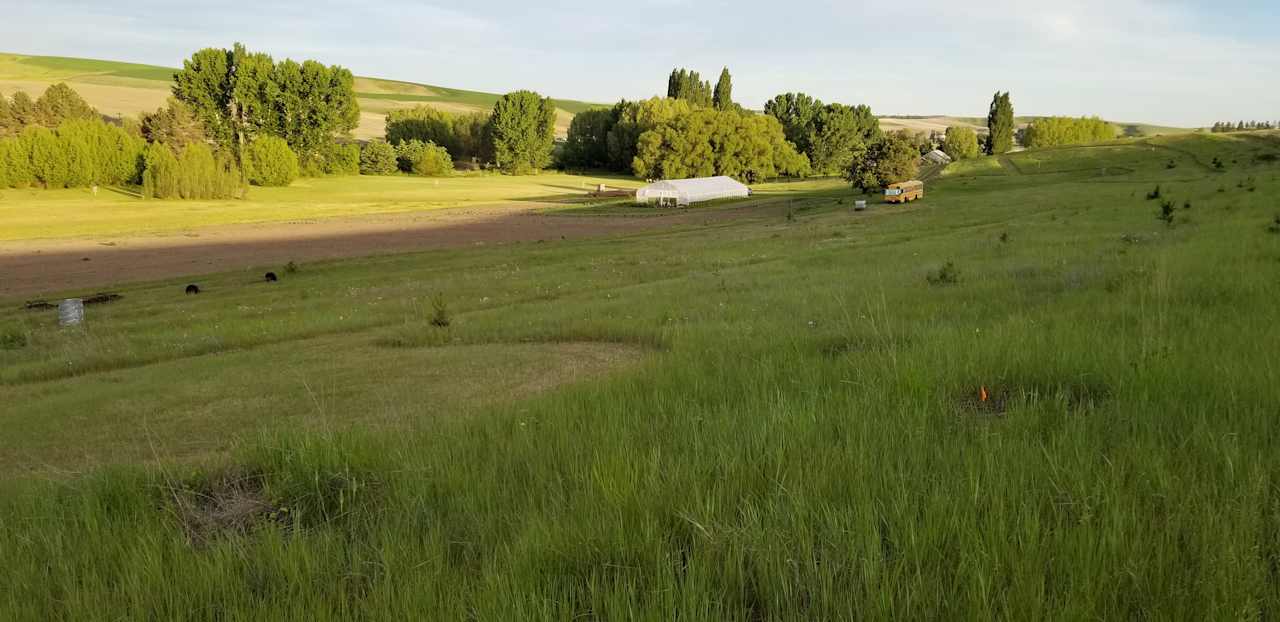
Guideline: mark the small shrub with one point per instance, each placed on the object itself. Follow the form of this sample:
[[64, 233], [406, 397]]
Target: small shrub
[[377, 158], [1275, 225], [1004, 237], [1186, 204], [13, 338], [1218, 164], [440, 311], [948, 274], [1171, 165], [268, 161], [291, 268], [425, 159], [1154, 194], [1166, 212]]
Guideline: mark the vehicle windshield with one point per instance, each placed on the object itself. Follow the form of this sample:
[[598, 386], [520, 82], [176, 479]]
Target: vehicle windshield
[[893, 192]]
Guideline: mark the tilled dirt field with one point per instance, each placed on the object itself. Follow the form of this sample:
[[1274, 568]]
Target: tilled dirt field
[[41, 267]]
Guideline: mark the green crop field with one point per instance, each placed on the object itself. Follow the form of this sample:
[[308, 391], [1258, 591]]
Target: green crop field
[[773, 418]]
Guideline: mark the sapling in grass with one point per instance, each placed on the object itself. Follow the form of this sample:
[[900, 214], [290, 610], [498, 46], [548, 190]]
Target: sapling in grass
[[440, 311], [15, 338], [946, 275]]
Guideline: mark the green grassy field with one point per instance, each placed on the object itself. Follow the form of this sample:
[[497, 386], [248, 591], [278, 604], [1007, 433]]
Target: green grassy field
[[770, 419], [42, 214]]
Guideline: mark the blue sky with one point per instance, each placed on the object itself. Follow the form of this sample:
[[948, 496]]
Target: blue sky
[[1173, 62]]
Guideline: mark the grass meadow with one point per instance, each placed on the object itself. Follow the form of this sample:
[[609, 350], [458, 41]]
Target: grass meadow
[[778, 418], [75, 213]]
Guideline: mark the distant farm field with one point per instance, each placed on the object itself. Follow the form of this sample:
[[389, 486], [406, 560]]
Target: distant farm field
[[117, 88], [1045, 391]]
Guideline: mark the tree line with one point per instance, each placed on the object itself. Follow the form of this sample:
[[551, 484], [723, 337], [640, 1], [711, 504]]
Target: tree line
[[236, 118], [1056, 131], [517, 136], [1222, 127]]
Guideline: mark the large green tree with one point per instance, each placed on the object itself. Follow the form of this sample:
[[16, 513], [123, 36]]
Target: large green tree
[[587, 145], [239, 95], [523, 132], [723, 97], [961, 143], [1000, 124], [836, 133], [892, 159], [634, 119], [795, 111], [703, 142]]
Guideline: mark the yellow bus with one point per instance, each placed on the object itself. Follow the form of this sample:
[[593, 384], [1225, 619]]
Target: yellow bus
[[903, 192]]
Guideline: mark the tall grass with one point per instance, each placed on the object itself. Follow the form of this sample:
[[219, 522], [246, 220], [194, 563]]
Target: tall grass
[[804, 443]]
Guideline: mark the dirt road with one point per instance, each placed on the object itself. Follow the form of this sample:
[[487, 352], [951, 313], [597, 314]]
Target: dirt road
[[42, 267]]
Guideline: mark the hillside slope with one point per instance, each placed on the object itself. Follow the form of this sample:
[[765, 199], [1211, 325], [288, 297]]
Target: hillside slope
[[940, 123], [117, 89]]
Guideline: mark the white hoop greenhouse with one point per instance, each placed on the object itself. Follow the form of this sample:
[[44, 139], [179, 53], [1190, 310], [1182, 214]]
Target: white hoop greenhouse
[[686, 191]]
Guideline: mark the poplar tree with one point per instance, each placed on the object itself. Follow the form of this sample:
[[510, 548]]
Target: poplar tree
[[239, 95], [723, 99], [1000, 124]]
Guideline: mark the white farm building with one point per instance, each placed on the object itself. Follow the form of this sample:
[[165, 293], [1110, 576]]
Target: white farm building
[[686, 191]]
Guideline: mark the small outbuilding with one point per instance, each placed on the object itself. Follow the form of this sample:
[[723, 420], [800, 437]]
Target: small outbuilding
[[686, 191], [937, 156]]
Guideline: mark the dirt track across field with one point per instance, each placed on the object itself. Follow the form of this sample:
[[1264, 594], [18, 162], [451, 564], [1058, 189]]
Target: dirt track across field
[[42, 267]]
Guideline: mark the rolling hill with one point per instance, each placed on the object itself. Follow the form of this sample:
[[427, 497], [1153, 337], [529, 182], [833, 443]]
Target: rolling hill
[[929, 123], [117, 88]]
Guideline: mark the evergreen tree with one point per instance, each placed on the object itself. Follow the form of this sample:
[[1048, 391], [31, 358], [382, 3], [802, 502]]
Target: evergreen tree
[[48, 158], [268, 161], [173, 124], [377, 158], [8, 124], [523, 131], [723, 98], [1000, 125], [23, 111], [16, 164], [60, 103], [160, 174]]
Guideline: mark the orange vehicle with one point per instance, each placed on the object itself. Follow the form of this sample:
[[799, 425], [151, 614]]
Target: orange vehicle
[[904, 192]]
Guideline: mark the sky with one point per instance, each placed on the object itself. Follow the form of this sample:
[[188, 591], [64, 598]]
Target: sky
[[1174, 62]]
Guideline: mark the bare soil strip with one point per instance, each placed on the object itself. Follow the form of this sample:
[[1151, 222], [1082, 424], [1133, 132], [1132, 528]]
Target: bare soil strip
[[38, 267]]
